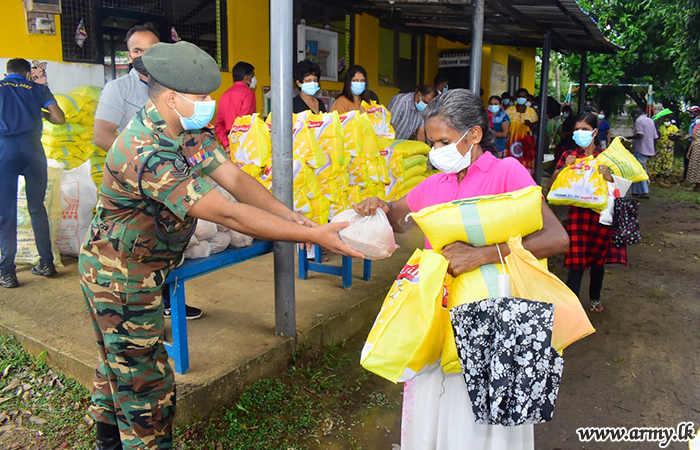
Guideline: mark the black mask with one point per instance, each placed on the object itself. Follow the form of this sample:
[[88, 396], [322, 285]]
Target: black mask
[[138, 65]]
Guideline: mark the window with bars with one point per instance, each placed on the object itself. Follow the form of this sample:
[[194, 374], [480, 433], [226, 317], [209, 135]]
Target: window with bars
[[201, 22], [73, 33]]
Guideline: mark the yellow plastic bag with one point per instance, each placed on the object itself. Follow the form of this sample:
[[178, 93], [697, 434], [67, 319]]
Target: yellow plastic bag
[[26, 245], [530, 281], [380, 118], [305, 143], [332, 175], [410, 328], [489, 219], [250, 142], [622, 163], [580, 184], [60, 141]]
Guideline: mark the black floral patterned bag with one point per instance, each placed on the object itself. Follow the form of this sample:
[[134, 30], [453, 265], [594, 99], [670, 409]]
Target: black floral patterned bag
[[625, 223], [511, 370]]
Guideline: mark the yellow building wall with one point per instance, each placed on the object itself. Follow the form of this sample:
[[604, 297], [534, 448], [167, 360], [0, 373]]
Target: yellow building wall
[[249, 41], [16, 42], [500, 54], [367, 54]]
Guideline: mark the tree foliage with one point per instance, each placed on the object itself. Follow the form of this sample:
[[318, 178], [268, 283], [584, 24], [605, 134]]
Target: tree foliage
[[660, 45]]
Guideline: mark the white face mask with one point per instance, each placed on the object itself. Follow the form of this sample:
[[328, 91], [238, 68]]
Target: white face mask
[[253, 82], [448, 159]]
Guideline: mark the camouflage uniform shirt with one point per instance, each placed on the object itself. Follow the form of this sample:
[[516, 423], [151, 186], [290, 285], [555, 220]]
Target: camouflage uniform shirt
[[122, 252]]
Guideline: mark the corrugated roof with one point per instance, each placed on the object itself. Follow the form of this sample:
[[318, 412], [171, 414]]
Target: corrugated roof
[[506, 22]]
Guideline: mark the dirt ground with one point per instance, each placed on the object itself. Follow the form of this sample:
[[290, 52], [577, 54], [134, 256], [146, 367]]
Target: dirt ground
[[641, 367]]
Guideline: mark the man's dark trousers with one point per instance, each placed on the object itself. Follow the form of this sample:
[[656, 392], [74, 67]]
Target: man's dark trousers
[[22, 155]]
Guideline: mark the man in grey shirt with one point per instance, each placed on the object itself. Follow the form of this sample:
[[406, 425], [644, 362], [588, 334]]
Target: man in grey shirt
[[406, 110], [123, 97], [645, 136]]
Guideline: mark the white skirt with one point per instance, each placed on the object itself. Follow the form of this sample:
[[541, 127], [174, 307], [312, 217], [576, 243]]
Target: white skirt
[[437, 415]]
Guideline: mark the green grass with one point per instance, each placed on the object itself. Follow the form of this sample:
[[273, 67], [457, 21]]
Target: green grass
[[33, 397], [293, 411]]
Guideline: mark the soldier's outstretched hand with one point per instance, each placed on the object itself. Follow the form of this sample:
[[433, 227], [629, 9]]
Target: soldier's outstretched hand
[[327, 237]]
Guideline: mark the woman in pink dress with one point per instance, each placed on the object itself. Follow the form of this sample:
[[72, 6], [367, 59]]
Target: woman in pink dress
[[437, 412]]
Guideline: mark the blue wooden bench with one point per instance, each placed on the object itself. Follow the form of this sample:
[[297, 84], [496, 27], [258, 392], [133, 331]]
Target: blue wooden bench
[[190, 269], [344, 271]]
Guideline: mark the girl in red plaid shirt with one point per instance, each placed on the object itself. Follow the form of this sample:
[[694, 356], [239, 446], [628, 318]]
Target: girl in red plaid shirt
[[591, 242]]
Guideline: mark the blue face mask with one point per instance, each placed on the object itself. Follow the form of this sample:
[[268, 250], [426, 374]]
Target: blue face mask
[[506, 102], [601, 116], [564, 115], [494, 108], [309, 88], [445, 88], [203, 113], [357, 87], [522, 100], [583, 138], [421, 105]]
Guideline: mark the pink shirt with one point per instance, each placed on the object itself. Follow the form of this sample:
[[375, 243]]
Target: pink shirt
[[486, 176]]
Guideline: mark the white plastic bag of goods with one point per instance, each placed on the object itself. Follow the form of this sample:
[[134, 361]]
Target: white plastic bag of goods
[[219, 242], [202, 249], [78, 199], [370, 235], [26, 246]]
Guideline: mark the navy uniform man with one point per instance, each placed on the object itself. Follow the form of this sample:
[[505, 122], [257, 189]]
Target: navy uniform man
[[154, 187], [21, 153]]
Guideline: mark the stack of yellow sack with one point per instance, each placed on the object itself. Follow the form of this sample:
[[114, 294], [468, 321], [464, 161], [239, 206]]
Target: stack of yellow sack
[[380, 117], [250, 145], [407, 165], [71, 143]]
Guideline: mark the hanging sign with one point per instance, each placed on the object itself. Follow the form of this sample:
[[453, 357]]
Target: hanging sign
[[454, 60]]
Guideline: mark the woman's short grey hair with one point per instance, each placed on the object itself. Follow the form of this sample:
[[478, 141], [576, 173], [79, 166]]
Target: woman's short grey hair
[[462, 110]]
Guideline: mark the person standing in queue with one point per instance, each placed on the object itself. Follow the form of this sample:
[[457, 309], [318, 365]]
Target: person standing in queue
[[21, 153], [237, 101], [306, 76], [355, 91], [500, 124], [406, 108], [523, 121], [441, 83], [591, 242], [122, 98], [644, 138], [154, 189]]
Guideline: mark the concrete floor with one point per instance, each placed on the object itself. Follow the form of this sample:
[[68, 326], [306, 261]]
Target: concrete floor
[[231, 346]]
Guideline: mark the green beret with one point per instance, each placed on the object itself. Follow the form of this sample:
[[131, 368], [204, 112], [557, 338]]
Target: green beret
[[182, 67]]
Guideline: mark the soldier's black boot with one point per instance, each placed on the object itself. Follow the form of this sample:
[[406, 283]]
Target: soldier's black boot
[[107, 437]]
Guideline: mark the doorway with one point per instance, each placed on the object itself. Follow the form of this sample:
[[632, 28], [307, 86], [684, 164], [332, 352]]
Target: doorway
[[515, 70]]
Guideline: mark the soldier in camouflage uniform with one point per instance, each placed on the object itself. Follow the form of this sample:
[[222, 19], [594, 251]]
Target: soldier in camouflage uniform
[[153, 189]]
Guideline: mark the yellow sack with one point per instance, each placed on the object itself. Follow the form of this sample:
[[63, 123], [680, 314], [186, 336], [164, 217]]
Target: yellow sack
[[60, 141], [69, 106], [26, 246], [250, 142], [493, 219], [580, 184], [409, 330], [86, 94], [51, 129], [380, 118], [622, 163], [530, 281]]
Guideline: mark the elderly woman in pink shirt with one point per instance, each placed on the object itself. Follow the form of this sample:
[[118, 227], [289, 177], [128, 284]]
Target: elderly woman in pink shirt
[[437, 410]]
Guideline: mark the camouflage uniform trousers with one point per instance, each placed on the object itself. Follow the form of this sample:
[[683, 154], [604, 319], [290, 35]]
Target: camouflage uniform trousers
[[134, 384]]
